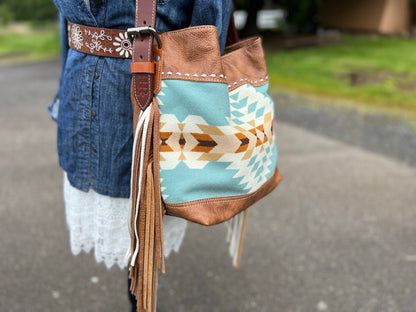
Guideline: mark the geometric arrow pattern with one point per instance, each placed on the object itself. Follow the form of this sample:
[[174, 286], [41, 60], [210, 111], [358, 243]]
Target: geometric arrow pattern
[[246, 143]]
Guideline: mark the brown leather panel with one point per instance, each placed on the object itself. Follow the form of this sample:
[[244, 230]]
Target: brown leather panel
[[192, 54], [244, 62], [216, 210], [188, 57], [142, 67]]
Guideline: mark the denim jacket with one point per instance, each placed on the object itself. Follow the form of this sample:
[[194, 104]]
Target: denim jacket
[[94, 113]]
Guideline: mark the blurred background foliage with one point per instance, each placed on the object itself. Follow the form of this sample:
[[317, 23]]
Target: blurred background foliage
[[28, 31], [301, 15], [27, 10]]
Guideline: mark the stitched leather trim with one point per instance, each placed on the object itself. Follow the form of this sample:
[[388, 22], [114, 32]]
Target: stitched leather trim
[[244, 62], [216, 210]]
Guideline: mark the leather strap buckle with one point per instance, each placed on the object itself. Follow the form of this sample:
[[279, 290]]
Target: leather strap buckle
[[146, 30]]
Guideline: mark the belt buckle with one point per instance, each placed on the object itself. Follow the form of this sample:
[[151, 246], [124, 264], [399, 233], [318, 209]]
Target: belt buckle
[[144, 30]]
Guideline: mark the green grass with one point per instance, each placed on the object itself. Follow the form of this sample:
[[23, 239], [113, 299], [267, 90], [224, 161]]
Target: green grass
[[375, 72], [28, 42]]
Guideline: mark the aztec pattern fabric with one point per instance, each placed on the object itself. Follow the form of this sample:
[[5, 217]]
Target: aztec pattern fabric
[[236, 148], [216, 126]]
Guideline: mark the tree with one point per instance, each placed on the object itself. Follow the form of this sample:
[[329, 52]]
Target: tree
[[29, 10], [302, 15]]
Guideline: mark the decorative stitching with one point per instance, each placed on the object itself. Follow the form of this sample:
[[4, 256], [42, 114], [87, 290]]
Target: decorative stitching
[[221, 75], [195, 75], [76, 37], [251, 81], [95, 43], [123, 45]]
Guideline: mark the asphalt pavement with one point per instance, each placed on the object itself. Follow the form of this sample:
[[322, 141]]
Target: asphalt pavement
[[338, 234]]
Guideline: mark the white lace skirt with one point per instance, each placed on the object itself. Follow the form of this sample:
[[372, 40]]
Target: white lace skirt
[[99, 222]]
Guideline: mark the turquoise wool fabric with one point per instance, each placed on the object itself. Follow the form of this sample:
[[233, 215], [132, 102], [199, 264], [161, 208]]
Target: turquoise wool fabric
[[214, 143]]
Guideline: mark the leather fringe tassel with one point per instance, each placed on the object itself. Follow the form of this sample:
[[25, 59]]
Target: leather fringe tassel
[[146, 256], [235, 236]]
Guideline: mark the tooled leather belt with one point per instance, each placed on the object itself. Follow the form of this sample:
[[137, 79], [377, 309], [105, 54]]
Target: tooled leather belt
[[99, 41]]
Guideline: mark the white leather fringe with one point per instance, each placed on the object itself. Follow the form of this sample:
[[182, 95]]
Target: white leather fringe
[[142, 123], [234, 226]]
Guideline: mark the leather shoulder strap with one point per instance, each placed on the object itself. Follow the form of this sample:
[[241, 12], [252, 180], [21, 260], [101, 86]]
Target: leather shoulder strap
[[142, 52]]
